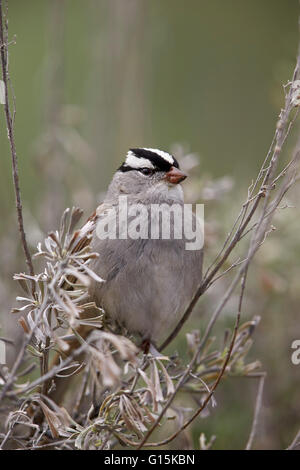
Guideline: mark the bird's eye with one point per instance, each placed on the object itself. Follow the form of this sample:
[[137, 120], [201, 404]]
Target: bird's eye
[[146, 171]]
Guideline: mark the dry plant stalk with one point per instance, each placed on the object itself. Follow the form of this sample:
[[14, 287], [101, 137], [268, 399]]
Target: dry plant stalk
[[125, 396], [10, 132]]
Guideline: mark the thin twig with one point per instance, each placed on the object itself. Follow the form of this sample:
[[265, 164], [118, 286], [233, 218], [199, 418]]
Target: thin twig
[[255, 243], [295, 443], [51, 444], [26, 340], [206, 401], [81, 393], [10, 132], [52, 372], [45, 365], [258, 404], [189, 369], [283, 129]]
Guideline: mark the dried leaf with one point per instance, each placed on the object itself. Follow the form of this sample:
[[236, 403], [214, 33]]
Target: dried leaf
[[24, 285], [52, 420], [24, 325], [169, 383], [74, 219], [155, 377]]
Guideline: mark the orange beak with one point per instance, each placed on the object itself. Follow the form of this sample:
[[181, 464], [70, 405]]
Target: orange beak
[[175, 175]]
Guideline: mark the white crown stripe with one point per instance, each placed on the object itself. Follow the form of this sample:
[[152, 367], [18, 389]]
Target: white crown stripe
[[166, 156], [136, 162]]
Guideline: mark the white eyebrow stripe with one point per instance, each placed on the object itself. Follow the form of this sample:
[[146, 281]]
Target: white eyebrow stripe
[[166, 156], [136, 162]]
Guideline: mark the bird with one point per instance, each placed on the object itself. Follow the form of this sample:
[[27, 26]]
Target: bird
[[148, 281]]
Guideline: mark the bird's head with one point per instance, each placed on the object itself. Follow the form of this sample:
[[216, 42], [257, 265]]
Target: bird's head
[[148, 170]]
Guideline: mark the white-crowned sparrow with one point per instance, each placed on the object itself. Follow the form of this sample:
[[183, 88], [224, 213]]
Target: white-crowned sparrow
[[148, 282]]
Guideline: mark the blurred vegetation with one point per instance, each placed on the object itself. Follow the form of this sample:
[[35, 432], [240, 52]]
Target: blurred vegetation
[[94, 78]]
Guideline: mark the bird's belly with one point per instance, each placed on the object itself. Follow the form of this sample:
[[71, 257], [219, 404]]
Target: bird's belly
[[149, 295], [147, 309]]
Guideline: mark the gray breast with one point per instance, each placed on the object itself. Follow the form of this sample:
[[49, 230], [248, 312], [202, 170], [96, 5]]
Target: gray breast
[[148, 284]]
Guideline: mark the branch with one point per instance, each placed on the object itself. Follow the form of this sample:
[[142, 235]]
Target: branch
[[259, 235], [267, 175], [295, 443], [256, 411], [26, 340], [10, 133], [182, 380]]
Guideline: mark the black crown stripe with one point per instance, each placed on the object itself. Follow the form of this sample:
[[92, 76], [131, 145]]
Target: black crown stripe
[[158, 161]]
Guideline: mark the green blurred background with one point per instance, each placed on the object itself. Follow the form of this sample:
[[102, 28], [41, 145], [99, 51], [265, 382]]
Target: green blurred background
[[93, 78]]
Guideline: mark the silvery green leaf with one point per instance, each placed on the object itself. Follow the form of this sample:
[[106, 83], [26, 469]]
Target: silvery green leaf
[[34, 351], [90, 272], [84, 280], [96, 322], [23, 299], [18, 310], [63, 221], [78, 368], [24, 276]]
